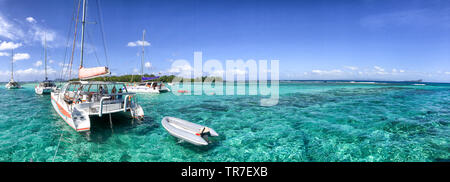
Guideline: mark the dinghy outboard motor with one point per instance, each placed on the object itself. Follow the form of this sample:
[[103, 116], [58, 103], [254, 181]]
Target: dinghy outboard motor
[[205, 133]]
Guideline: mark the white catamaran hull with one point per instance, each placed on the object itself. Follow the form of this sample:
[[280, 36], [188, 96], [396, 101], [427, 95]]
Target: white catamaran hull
[[79, 121], [12, 86], [78, 116]]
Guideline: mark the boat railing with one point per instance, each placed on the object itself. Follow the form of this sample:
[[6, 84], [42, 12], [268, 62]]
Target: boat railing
[[107, 100], [125, 102], [100, 113]]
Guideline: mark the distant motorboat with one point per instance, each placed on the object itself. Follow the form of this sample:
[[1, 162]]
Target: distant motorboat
[[147, 87]]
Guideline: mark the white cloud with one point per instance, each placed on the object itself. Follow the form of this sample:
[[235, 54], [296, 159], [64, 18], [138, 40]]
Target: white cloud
[[180, 68], [21, 56], [29, 33], [9, 45], [353, 68], [9, 30], [148, 65], [27, 74], [423, 17], [63, 65], [41, 34], [138, 43], [326, 72], [4, 54], [38, 63], [31, 19], [237, 71], [216, 73], [367, 73], [32, 71], [51, 61], [379, 68]]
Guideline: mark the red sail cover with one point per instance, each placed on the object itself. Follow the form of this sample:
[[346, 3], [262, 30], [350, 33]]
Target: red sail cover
[[86, 73]]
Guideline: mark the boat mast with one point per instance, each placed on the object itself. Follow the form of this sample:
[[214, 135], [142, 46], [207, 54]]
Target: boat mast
[[12, 64], [83, 24], [142, 58], [45, 54]]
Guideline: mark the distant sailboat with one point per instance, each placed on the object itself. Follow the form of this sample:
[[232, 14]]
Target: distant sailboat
[[46, 86], [12, 84], [78, 101], [147, 87]]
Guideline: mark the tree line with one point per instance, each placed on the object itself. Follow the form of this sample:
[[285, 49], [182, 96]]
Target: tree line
[[165, 78]]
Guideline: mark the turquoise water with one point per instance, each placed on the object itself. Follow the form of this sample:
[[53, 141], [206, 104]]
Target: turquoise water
[[312, 122]]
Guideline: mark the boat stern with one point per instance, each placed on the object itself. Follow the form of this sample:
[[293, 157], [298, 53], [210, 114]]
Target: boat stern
[[81, 120]]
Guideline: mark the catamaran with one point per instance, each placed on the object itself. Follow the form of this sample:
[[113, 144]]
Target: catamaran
[[47, 85], [147, 87], [12, 84], [79, 101]]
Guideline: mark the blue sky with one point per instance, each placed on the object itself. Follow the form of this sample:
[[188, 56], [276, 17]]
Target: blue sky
[[348, 39]]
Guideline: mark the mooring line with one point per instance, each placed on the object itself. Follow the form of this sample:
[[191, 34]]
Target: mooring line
[[57, 148]]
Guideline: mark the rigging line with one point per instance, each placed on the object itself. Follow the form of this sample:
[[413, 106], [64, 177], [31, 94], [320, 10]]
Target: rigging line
[[68, 37], [132, 76], [67, 57], [100, 17], [88, 39], [74, 40]]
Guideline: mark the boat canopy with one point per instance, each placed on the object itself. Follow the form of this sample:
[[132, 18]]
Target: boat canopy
[[87, 73], [149, 78], [94, 86]]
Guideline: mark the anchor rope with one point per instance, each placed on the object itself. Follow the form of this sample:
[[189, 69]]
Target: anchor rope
[[57, 148]]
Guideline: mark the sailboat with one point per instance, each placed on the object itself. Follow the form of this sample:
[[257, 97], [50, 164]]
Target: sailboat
[[147, 87], [47, 85], [77, 102], [12, 84]]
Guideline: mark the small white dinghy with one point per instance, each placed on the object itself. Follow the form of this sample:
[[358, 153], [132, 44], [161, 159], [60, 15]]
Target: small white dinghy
[[185, 130]]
